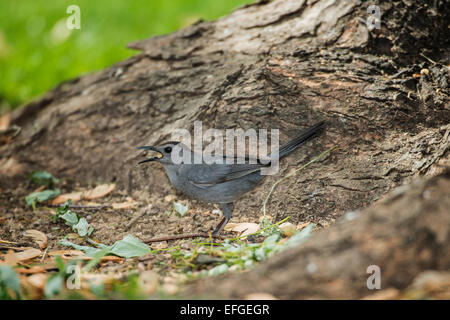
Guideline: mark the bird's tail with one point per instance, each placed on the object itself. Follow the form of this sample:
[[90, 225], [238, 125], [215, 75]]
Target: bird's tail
[[300, 139]]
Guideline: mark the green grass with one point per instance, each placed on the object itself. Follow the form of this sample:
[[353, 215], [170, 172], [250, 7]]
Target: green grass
[[37, 51]]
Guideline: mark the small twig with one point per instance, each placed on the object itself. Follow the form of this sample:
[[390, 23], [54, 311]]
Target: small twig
[[184, 236], [323, 154], [45, 253], [77, 206], [433, 62], [398, 74]]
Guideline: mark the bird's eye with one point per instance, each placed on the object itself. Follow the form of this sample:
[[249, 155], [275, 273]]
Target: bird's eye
[[168, 149]]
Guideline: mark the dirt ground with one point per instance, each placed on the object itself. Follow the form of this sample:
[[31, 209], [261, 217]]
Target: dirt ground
[[162, 272], [144, 218]]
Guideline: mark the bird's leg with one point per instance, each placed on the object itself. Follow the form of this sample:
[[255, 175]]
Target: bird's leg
[[227, 209]]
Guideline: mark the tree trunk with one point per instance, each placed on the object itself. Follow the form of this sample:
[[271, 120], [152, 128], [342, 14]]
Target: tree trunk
[[283, 64]]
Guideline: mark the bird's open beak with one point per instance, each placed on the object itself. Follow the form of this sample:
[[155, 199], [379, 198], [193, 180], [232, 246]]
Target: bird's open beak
[[159, 155]]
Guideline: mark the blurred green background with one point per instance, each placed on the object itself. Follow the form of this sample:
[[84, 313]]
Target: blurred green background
[[38, 51]]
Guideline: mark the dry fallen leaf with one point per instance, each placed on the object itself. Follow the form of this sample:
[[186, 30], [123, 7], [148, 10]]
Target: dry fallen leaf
[[38, 280], [87, 279], [75, 196], [429, 284], [16, 248], [8, 242], [49, 264], [92, 204], [28, 254], [70, 254], [300, 226], [77, 254], [99, 191], [39, 237], [287, 229], [4, 121], [124, 205], [245, 228], [385, 294], [267, 217], [112, 258], [160, 245], [169, 198], [66, 253], [32, 270], [259, 296], [84, 258], [10, 258]]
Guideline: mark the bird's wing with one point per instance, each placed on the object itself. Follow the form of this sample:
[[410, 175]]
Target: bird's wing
[[208, 175]]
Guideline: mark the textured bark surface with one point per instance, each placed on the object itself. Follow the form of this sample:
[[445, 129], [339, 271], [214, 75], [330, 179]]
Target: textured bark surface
[[404, 234], [282, 64]]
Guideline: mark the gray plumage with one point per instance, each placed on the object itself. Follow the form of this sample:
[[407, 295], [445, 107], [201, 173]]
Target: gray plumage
[[218, 183]]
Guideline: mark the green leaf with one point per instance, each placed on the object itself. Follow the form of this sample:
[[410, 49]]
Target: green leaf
[[97, 289], [79, 225], [248, 264], [129, 247], [53, 286], [265, 222], [8, 282], [83, 228], [181, 209], [89, 251], [220, 269], [43, 178], [300, 237], [60, 263], [272, 239], [39, 197], [260, 254], [70, 218], [65, 207], [96, 258]]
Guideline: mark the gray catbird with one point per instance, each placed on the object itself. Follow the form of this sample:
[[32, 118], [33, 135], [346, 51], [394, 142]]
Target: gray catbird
[[218, 183]]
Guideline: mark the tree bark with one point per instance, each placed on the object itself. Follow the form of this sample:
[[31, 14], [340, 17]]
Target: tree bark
[[283, 64], [404, 235]]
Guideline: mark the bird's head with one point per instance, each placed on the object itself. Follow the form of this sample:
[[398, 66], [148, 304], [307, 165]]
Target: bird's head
[[168, 153]]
